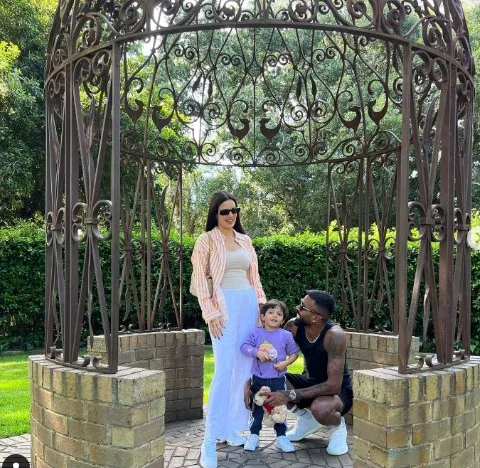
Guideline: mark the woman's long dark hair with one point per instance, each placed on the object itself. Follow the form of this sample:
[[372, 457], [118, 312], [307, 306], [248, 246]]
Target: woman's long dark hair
[[217, 199]]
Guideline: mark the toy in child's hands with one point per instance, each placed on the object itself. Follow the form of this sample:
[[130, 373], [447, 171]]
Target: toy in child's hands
[[273, 414]]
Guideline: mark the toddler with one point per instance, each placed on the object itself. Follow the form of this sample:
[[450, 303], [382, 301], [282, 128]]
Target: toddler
[[274, 349]]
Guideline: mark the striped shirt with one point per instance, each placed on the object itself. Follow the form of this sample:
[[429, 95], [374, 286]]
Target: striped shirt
[[215, 306]]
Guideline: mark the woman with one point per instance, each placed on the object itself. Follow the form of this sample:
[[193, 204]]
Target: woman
[[231, 311]]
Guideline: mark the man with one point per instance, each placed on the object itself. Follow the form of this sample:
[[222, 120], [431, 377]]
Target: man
[[325, 388]]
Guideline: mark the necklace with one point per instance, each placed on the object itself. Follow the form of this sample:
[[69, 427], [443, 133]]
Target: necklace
[[315, 339]]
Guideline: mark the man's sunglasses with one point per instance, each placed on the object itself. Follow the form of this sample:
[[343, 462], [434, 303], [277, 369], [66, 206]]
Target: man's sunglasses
[[302, 307], [225, 212]]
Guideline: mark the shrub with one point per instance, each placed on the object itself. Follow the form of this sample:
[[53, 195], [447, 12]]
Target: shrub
[[22, 283], [288, 266]]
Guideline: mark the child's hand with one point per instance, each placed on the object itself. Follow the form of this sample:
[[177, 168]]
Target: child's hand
[[280, 366], [263, 356]]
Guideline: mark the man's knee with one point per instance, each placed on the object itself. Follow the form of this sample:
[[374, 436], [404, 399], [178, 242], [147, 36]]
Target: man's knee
[[325, 410]]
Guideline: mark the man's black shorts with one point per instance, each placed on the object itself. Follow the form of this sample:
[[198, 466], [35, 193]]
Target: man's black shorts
[[302, 381]]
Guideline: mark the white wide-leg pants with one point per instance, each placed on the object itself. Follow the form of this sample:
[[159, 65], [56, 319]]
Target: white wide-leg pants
[[226, 410]]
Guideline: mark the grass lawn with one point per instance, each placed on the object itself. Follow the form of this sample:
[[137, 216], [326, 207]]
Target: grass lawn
[[14, 395], [15, 392]]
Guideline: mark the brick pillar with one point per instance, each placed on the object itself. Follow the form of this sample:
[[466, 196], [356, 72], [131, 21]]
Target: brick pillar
[[87, 419], [179, 354], [373, 351], [427, 419]]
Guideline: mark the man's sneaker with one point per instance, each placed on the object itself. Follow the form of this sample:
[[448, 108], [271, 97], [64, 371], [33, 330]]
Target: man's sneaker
[[235, 440], [284, 444], [208, 454], [306, 425], [338, 439], [252, 442]]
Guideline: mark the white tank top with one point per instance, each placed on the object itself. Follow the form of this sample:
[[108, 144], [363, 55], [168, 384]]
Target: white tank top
[[236, 266]]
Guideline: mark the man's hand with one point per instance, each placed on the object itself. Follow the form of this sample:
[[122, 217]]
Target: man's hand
[[247, 394], [263, 356], [276, 398], [281, 366]]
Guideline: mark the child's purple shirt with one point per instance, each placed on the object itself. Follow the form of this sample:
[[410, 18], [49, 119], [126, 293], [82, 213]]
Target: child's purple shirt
[[277, 343]]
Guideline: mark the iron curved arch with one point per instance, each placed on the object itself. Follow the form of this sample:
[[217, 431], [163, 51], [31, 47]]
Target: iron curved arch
[[393, 128]]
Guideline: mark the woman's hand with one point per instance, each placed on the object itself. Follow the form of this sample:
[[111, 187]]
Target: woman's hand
[[263, 356], [247, 394], [259, 320], [216, 327]]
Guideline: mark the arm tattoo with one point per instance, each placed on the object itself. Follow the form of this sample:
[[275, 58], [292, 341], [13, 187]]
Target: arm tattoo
[[322, 389], [336, 346], [336, 349]]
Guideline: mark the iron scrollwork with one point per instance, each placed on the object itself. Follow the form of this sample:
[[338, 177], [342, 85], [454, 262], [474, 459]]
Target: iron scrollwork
[[243, 84]]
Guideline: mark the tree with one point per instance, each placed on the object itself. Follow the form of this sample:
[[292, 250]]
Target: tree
[[231, 86], [24, 28], [472, 14], [275, 199]]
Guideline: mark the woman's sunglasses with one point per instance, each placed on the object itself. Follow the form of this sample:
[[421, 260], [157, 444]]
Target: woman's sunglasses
[[225, 212]]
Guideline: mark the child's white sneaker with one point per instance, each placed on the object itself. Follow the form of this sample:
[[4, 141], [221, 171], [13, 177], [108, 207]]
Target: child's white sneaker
[[252, 442], [284, 444]]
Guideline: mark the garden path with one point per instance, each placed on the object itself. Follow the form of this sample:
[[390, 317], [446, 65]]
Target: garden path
[[182, 448]]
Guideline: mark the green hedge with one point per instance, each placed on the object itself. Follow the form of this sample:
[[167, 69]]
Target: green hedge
[[22, 284], [288, 266]]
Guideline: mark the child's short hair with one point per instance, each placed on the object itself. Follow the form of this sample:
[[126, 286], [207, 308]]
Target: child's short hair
[[271, 304]]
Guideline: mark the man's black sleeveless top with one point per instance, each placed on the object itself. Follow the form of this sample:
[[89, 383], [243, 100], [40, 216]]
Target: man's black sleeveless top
[[316, 358]]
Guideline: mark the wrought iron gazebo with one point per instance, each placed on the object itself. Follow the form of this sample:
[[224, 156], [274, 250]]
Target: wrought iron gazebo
[[138, 90]]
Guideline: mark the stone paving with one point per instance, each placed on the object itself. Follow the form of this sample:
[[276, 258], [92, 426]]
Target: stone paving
[[184, 438], [183, 441], [18, 445]]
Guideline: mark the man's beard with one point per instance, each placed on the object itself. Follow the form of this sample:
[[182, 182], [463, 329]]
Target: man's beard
[[298, 321]]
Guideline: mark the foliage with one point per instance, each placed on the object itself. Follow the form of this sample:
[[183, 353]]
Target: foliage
[[24, 28], [294, 199], [288, 266], [279, 200], [10, 83], [22, 260], [472, 14]]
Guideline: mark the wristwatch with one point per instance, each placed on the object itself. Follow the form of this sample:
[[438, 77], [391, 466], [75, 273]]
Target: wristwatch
[[292, 395]]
